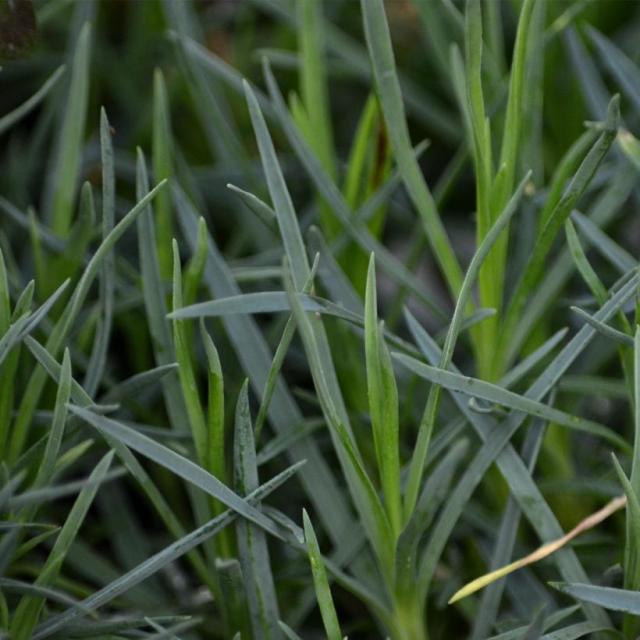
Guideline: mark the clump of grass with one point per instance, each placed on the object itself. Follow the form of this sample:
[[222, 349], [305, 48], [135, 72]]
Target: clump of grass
[[232, 408]]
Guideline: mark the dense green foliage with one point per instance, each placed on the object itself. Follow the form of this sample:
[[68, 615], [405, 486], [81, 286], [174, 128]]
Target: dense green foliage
[[312, 312]]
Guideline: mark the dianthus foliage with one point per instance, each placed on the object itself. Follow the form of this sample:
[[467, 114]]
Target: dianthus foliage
[[319, 319]]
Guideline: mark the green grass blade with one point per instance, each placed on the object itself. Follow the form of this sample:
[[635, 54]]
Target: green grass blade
[[582, 263], [593, 87], [635, 468], [190, 394], [607, 597], [562, 210], [315, 95], [390, 95], [138, 382], [63, 326], [97, 361], [383, 403], [215, 414], [611, 333], [521, 484], [279, 356], [252, 545], [369, 507], [433, 494], [630, 146], [612, 251], [477, 388], [71, 136], [427, 422], [330, 192], [321, 583], [162, 169], [282, 204], [54, 441]]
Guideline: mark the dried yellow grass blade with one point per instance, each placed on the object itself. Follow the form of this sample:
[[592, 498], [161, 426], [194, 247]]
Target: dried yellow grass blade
[[542, 552]]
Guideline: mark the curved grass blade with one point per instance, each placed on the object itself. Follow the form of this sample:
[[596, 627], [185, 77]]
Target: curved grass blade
[[493, 393], [542, 552], [607, 597], [8, 120], [604, 329]]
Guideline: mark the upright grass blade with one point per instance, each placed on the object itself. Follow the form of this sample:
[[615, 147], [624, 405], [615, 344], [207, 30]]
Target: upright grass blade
[[493, 192], [315, 98], [71, 136], [321, 583], [195, 412], [162, 169], [7, 370], [383, 404], [560, 213], [427, 423], [97, 361], [215, 460], [635, 467], [289, 230], [370, 509], [154, 301], [390, 95], [252, 545], [330, 192]]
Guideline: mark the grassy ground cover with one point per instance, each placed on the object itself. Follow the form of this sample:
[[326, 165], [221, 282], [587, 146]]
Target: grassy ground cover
[[313, 312]]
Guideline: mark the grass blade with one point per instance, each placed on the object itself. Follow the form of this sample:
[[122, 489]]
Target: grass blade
[[390, 95], [321, 583], [252, 545], [71, 134]]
